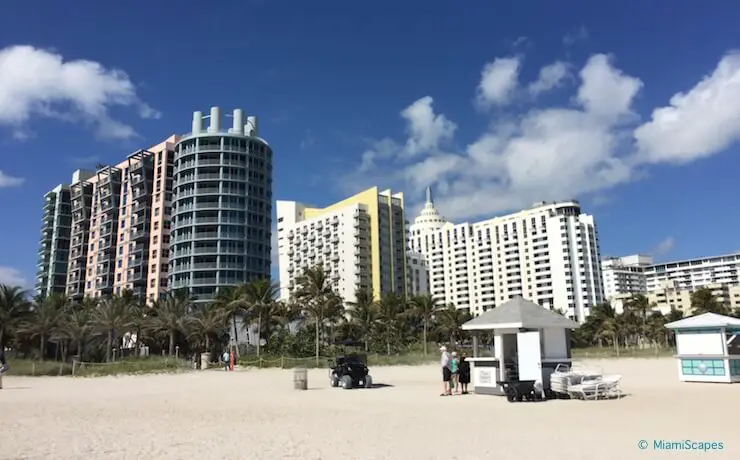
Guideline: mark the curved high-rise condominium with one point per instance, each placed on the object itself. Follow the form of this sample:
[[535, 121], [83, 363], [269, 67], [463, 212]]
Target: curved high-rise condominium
[[221, 213]]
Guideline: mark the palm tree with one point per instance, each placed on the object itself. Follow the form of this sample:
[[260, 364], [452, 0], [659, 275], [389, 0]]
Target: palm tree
[[450, 319], [260, 299], [314, 294], [111, 317], [77, 326], [424, 307], [390, 306], [703, 301], [13, 308], [171, 315], [137, 313], [363, 313], [639, 305], [207, 322], [46, 319], [231, 301]]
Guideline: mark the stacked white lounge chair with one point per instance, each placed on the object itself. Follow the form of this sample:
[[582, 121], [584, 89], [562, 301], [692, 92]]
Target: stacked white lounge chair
[[584, 383]]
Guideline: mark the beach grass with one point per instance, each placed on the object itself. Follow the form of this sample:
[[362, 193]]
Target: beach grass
[[128, 366], [633, 352]]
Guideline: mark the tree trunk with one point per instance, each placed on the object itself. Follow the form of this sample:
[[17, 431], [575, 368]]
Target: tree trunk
[[259, 333], [616, 344], [110, 346], [388, 340], [208, 344], [317, 342], [42, 347], [236, 333], [424, 335], [2, 340], [172, 343]]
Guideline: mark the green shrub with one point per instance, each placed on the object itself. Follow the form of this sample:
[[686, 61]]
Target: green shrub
[[286, 362], [609, 352], [125, 366]]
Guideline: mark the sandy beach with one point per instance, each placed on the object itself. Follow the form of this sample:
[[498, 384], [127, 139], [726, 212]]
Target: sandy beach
[[256, 414]]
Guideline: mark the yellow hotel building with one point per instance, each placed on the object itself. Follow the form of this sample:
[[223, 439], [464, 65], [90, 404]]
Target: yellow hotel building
[[360, 241]]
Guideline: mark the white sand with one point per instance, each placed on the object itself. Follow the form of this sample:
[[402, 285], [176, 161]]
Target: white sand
[[256, 414]]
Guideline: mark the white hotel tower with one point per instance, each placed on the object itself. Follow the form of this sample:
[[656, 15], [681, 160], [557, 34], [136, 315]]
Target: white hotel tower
[[548, 253]]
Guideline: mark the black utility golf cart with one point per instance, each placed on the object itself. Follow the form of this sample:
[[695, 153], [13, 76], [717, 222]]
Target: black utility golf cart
[[349, 369]]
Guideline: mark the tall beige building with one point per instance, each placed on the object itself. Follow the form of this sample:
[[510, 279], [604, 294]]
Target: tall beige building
[[360, 242], [119, 238]]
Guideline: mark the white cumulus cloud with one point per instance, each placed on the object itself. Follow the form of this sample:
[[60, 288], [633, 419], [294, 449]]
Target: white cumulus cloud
[[499, 81], [559, 152], [698, 123], [11, 277], [40, 83], [10, 181], [550, 77], [665, 246]]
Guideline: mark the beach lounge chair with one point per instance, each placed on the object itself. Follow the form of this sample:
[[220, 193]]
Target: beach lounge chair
[[606, 387], [565, 377]]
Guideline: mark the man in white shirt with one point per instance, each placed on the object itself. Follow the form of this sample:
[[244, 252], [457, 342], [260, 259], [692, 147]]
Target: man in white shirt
[[444, 362]]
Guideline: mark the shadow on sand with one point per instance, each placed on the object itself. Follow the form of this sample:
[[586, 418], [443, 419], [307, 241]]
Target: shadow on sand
[[380, 385]]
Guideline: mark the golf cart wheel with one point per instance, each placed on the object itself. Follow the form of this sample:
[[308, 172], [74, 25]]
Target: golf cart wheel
[[347, 382], [334, 380], [510, 395], [368, 381]]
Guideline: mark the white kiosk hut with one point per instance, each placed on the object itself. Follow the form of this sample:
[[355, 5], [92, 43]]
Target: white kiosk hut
[[529, 341], [708, 348]]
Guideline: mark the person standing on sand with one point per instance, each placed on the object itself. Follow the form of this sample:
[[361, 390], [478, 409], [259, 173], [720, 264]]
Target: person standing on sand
[[444, 362], [464, 374], [227, 360], [454, 368], [3, 366]]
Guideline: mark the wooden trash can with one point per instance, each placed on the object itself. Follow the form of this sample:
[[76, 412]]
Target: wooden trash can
[[300, 378]]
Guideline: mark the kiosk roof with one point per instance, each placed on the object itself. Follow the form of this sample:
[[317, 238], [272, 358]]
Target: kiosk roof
[[705, 320], [519, 313]]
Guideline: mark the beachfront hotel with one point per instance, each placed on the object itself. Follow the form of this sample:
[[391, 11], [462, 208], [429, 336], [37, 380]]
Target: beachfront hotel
[[119, 237], [624, 275], [548, 253], [670, 284], [191, 212], [360, 242], [639, 274], [221, 211], [51, 270]]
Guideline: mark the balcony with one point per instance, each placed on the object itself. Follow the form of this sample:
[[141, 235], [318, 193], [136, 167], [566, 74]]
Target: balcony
[[136, 178], [105, 243], [75, 289], [204, 281], [104, 284], [107, 206], [137, 262], [137, 276], [139, 206], [139, 235]]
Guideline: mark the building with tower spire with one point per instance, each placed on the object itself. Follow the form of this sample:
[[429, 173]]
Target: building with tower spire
[[548, 253]]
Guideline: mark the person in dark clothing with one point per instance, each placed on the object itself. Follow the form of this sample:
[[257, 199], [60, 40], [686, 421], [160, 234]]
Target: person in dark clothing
[[3, 366], [464, 373]]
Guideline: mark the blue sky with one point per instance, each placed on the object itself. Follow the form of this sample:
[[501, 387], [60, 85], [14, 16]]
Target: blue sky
[[494, 105]]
